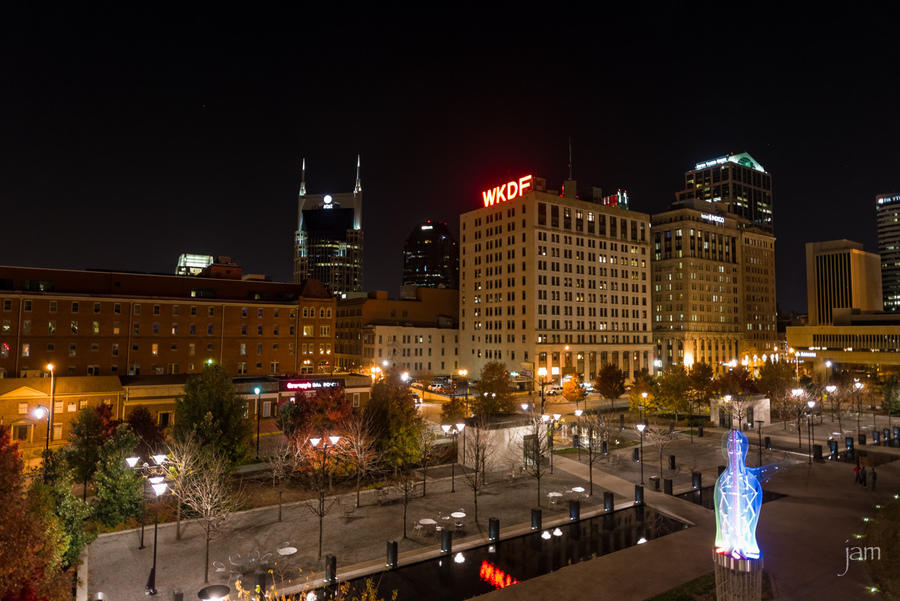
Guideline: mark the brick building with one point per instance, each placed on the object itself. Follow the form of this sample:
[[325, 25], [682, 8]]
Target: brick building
[[113, 323]]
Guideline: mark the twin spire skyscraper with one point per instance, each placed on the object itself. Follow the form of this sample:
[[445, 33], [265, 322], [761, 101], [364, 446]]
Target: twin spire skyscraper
[[328, 244]]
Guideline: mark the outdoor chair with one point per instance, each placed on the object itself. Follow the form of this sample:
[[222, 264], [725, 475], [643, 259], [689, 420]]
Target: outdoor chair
[[265, 561], [418, 529], [219, 567]]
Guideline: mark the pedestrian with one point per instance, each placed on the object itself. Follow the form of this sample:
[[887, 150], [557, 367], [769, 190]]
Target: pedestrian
[[874, 477], [862, 476], [856, 473]]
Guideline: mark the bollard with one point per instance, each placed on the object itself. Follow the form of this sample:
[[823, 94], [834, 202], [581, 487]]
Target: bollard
[[621, 421], [671, 462], [535, 519], [719, 471], [832, 446], [330, 569], [876, 437], [446, 541], [638, 494], [636, 455], [700, 431], [391, 554], [862, 439], [574, 510], [817, 451], [667, 486], [493, 529], [848, 442], [697, 480], [768, 443], [608, 501], [603, 447], [654, 482], [886, 434], [896, 431]]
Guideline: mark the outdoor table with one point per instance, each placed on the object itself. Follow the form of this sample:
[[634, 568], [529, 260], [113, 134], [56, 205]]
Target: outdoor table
[[554, 496], [285, 551], [427, 522], [458, 515], [578, 489]]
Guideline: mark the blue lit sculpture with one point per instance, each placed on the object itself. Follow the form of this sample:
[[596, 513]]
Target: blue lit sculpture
[[738, 499]]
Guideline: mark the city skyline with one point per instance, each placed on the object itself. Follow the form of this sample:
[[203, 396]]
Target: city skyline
[[201, 141]]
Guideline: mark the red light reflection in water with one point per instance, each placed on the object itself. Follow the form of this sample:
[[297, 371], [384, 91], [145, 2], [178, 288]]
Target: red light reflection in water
[[495, 576]]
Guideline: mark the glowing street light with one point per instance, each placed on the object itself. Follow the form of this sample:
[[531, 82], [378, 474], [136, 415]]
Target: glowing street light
[[640, 428], [256, 391]]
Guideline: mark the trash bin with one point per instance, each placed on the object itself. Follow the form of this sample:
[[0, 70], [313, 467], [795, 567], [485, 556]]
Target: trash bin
[[636, 455], [177, 595], [700, 431], [654, 482], [768, 443], [862, 439]]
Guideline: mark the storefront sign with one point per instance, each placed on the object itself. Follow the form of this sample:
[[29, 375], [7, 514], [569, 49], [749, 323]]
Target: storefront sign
[[307, 385], [713, 218]]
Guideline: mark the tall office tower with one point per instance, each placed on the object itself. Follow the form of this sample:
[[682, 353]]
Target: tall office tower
[[841, 275], [431, 257], [887, 210], [550, 280], [328, 243], [736, 184], [713, 287]]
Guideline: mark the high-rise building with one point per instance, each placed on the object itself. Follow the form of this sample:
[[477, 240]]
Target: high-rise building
[[713, 287], [431, 257], [734, 183], [329, 239], [887, 210], [841, 275], [548, 280]]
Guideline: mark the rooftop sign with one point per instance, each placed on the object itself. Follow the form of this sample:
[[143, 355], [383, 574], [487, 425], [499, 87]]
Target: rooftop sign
[[311, 384], [713, 218], [741, 159], [507, 191]]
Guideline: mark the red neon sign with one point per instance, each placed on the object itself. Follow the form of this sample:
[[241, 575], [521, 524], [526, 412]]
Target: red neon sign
[[507, 191], [495, 576]]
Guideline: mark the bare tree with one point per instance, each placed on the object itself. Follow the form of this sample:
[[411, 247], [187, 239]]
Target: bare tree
[[597, 433], [184, 458], [281, 462], [407, 485], [425, 444], [535, 447], [477, 448], [311, 464], [661, 436], [359, 449], [209, 494]]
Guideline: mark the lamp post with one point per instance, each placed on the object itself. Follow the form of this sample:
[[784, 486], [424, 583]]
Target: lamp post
[[159, 487], [759, 425], [52, 407], [146, 472], [810, 426], [542, 374], [830, 390], [644, 402], [797, 393], [578, 413], [828, 365], [258, 414], [454, 432], [333, 440], [858, 386], [464, 373], [640, 428]]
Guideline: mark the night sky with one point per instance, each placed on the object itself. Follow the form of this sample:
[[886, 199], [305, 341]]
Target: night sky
[[127, 138]]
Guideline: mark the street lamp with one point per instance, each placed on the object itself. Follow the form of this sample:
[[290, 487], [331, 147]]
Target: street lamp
[[578, 413], [159, 487], [551, 424], [640, 428], [50, 368], [404, 377], [644, 402], [542, 374], [858, 386], [333, 440], [810, 426], [258, 413], [464, 373], [147, 472], [797, 393], [454, 431]]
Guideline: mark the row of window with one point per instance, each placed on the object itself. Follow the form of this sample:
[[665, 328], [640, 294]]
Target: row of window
[[308, 311], [95, 329]]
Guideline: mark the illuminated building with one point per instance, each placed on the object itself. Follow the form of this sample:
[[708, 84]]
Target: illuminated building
[[417, 334], [713, 287], [329, 239], [431, 257], [549, 280], [887, 210], [841, 275], [112, 323], [192, 264], [736, 184]]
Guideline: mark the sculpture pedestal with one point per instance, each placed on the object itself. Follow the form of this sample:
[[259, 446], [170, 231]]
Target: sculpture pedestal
[[738, 579]]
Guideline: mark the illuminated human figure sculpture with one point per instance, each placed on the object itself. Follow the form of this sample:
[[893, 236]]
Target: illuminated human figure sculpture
[[738, 498]]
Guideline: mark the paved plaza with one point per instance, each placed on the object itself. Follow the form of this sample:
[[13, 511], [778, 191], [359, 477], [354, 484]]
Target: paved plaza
[[803, 535]]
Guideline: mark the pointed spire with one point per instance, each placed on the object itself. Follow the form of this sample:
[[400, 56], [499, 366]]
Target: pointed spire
[[357, 188], [570, 159], [303, 177]]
